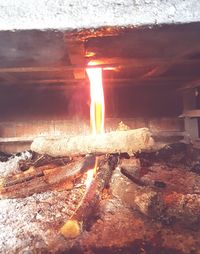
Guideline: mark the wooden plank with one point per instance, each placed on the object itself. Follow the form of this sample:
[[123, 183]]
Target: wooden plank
[[104, 63], [38, 69], [191, 85], [76, 52], [195, 113], [64, 82], [190, 113], [8, 77]]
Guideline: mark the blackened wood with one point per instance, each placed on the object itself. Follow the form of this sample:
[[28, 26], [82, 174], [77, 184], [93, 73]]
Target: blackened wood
[[89, 204], [44, 178]]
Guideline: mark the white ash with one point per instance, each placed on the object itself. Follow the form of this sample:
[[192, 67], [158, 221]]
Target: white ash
[[27, 224], [12, 165]]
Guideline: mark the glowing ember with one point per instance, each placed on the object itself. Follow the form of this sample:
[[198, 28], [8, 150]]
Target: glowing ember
[[97, 107], [90, 174]]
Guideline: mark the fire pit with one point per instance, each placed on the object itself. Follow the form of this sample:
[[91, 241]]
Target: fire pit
[[99, 130], [148, 202], [115, 192]]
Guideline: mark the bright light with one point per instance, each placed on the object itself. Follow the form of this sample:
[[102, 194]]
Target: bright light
[[97, 111], [97, 107], [90, 174], [89, 178]]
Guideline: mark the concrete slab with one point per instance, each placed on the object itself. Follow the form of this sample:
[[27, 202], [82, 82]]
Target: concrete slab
[[76, 14]]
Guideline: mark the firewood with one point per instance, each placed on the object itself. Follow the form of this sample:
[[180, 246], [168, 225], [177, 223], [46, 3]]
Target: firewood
[[44, 178], [42, 160], [76, 223], [128, 141]]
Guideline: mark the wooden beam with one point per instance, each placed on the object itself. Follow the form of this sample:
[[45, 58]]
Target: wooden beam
[[195, 113], [104, 63], [8, 77], [76, 52], [38, 69], [67, 82], [191, 85]]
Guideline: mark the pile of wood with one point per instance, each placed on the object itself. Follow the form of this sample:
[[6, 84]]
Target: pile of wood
[[160, 186], [124, 161], [61, 163]]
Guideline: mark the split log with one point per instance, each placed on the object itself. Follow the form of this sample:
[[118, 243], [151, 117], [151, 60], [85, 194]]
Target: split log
[[113, 142], [42, 160], [36, 180], [89, 204]]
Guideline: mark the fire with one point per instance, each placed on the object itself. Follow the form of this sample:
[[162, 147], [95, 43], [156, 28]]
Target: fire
[[97, 106], [97, 110]]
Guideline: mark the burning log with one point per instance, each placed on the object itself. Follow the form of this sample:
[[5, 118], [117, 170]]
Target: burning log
[[42, 160], [43, 178], [113, 142], [72, 228]]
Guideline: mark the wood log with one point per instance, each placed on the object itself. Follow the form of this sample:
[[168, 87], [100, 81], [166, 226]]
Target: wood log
[[89, 204], [113, 142], [36, 180]]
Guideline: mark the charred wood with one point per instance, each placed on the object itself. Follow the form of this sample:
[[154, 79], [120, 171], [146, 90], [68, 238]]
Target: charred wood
[[43, 178], [89, 205]]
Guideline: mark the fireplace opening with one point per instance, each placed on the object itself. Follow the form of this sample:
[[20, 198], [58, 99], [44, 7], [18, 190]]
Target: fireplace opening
[[69, 185]]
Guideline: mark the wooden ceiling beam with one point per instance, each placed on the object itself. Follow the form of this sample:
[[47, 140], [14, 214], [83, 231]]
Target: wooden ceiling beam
[[106, 62], [76, 53], [8, 77], [191, 85], [84, 81]]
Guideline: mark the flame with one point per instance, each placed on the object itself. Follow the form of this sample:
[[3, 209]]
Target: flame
[[97, 110], [97, 106], [89, 178], [90, 174]]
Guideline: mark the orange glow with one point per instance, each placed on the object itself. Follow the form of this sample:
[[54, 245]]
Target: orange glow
[[97, 110], [97, 107], [90, 174], [96, 63], [89, 178]]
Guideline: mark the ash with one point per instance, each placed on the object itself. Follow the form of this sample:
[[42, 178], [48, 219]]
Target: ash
[[28, 224], [11, 166]]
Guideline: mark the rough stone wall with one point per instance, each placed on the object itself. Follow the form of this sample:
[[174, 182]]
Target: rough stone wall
[[78, 14]]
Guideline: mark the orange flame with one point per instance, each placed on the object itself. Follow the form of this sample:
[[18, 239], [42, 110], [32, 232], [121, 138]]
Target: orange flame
[[97, 107], [97, 110]]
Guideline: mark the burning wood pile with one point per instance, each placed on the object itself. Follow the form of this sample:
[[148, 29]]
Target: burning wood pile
[[149, 200], [101, 193]]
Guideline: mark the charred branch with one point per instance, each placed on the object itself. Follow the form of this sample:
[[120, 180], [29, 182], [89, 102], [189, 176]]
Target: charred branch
[[89, 204]]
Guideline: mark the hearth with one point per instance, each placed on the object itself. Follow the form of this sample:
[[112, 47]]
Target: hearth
[[100, 140]]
